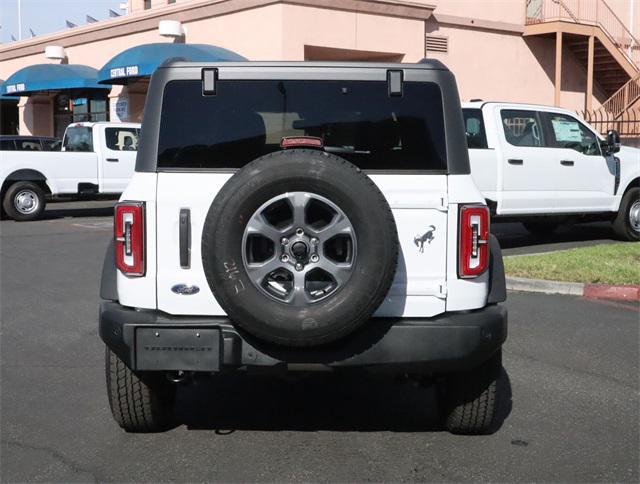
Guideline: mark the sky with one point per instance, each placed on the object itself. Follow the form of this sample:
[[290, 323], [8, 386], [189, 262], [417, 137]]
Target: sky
[[46, 16]]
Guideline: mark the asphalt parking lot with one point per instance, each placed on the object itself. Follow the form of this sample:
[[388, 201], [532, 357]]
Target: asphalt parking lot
[[572, 367]]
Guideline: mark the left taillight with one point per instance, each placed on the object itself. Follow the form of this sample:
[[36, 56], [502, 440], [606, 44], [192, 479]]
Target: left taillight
[[474, 240], [129, 228]]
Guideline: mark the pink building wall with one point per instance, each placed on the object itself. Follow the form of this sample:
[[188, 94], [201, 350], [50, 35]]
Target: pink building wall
[[501, 66], [486, 49]]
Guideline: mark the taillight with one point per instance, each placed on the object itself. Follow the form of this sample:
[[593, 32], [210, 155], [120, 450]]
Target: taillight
[[474, 240], [129, 237]]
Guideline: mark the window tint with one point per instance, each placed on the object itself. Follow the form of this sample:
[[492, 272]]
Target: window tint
[[474, 128], [28, 145], [521, 128], [78, 138], [567, 132], [356, 120], [122, 139], [7, 145]]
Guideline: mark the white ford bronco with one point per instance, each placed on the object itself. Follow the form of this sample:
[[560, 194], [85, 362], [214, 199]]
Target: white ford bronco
[[300, 216], [544, 166], [96, 159]]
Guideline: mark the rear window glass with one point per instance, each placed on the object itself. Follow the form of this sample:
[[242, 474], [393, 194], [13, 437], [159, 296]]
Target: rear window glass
[[52, 144], [7, 144], [122, 139], [29, 145], [357, 120], [474, 128], [79, 138]]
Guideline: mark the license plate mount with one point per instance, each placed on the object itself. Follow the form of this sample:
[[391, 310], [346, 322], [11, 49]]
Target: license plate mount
[[170, 349]]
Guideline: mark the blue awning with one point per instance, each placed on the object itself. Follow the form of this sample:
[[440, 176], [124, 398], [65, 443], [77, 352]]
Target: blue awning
[[50, 77], [142, 60], [7, 98]]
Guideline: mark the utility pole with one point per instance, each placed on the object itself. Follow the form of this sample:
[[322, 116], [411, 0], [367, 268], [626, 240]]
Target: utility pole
[[19, 20], [632, 13]]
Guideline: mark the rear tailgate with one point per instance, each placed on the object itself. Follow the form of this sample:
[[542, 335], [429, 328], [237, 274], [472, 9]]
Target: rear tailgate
[[419, 206]]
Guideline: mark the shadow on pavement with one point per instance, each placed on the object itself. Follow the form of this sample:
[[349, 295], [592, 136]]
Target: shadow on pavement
[[514, 235], [358, 402], [55, 213]]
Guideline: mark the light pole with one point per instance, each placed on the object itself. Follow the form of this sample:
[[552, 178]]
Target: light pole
[[19, 20]]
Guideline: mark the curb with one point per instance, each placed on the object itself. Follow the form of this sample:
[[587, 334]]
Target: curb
[[589, 291]]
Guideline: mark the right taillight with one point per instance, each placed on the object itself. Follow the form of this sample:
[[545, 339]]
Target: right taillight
[[128, 228], [473, 258]]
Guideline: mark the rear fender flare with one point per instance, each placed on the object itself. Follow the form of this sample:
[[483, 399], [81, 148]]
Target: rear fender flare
[[27, 174]]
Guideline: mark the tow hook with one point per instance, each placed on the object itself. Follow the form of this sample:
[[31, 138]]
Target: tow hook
[[178, 376]]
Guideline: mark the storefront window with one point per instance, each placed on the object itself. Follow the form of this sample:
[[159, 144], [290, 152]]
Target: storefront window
[[78, 107]]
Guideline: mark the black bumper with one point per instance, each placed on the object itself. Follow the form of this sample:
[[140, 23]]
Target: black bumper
[[152, 340]]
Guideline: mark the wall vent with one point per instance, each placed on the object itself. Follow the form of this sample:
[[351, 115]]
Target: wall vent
[[437, 43]]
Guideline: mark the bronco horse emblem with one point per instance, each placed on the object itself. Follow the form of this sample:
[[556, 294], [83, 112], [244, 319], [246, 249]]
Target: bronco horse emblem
[[428, 237]]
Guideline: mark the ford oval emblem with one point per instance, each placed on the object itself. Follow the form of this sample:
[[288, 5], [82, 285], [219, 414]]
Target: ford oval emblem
[[185, 289]]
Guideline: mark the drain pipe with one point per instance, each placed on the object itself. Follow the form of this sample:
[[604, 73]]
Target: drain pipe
[[632, 13]]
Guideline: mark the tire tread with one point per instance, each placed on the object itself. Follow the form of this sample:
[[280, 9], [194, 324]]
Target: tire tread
[[471, 398], [136, 405]]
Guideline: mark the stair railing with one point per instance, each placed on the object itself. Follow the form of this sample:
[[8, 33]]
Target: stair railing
[[592, 12], [624, 97]]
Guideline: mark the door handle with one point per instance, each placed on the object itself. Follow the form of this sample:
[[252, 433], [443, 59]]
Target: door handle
[[566, 162], [185, 238], [113, 160], [513, 161]]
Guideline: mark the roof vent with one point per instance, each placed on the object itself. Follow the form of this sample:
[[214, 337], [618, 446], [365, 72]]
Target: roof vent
[[437, 43]]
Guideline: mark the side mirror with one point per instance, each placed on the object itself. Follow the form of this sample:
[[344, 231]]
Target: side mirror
[[613, 141]]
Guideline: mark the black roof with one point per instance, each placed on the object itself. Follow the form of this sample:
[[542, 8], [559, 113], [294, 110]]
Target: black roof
[[24, 137]]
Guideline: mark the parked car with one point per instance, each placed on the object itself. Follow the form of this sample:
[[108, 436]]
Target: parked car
[[544, 166], [296, 216], [29, 143], [96, 159]]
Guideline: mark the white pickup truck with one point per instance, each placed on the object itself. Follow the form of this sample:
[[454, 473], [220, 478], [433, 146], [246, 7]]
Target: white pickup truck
[[96, 159], [544, 166]]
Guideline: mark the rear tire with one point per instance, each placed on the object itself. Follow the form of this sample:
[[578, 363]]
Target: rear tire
[[541, 228], [24, 201], [626, 225], [139, 402], [470, 398]]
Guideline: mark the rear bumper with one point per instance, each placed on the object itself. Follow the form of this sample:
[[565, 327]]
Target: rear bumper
[[151, 340]]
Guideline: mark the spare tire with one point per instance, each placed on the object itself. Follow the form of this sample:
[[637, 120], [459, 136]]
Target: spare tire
[[299, 248]]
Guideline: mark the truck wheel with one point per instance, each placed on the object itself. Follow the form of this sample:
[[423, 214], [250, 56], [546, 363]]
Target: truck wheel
[[139, 402], [299, 248], [540, 228], [470, 398], [24, 201], [627, 223]]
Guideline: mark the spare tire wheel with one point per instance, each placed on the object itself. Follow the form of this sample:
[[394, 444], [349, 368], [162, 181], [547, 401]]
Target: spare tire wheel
[[299, 248]]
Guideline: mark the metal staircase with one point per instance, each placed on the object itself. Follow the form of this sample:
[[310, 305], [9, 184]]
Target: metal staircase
[[616, 52]]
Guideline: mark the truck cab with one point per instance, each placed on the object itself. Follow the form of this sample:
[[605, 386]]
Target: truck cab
[[544, 165], [113, 145]]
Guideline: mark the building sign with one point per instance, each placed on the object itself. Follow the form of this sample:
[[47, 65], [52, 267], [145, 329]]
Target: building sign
[[119, 109], [11, 88], [127, 71]]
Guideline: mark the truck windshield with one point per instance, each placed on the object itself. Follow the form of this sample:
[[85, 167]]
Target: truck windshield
[[78, 138], [357, 120]]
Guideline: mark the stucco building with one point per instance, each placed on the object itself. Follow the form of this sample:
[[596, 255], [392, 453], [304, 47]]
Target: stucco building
[[579, 54]]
